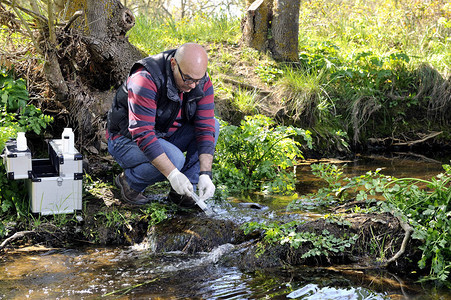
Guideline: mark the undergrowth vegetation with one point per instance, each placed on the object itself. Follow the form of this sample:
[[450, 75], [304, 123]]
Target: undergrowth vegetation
[[424, 204], [419, 29], [321, 244], [366, 69], [258, 155], [375, 55]]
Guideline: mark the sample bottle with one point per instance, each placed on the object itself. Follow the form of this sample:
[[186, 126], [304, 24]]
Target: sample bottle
[[21, 142], [68, 140]]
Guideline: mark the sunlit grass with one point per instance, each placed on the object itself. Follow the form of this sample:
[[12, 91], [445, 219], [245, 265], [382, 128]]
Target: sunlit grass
[[303, 93], [156, 34], [246, 101], [420, 29]]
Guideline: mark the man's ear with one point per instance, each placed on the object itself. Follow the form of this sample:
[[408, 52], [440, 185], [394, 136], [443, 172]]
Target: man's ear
[[172, 60]]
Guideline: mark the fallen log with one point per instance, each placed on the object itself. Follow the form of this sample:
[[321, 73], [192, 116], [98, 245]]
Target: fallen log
[[411, 143], [392, 141]]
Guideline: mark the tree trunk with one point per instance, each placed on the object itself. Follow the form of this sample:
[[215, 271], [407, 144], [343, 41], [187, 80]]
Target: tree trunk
[[285, 30], [256, 25], [90, 60], [273, 25]]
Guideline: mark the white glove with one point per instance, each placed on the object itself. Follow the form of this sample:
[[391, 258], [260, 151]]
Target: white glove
[[180, 183], [206, 187]]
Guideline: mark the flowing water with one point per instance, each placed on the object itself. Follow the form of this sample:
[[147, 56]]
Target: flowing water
[[138, 273]]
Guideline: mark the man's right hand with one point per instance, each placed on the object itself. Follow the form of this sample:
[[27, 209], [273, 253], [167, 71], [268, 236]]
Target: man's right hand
[[180, 183]]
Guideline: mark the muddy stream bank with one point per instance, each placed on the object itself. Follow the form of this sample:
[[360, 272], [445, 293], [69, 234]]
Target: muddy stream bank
[[190, 256]]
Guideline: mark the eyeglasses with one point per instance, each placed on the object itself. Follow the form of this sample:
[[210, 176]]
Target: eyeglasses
[[188, 80]]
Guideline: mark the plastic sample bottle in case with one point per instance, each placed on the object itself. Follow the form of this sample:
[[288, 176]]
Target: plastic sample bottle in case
[[68, 141], [21, 142], [17, 158]]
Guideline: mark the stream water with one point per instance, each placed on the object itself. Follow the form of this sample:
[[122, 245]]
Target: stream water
[[137, 273]]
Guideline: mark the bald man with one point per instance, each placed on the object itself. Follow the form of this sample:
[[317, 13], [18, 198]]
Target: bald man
[[164, 109]]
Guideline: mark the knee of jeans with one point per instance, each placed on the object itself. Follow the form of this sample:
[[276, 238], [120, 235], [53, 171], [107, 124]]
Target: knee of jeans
[[178, 159]]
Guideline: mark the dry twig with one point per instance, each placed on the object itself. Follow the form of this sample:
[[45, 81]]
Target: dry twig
[[15, 236]]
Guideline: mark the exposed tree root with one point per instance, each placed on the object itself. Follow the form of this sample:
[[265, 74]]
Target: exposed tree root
[[15, 236], [247, 86], [408, 232]]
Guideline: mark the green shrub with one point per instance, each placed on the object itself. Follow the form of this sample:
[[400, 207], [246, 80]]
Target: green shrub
[[13, 204], [15, 112], [13, 93], [428, 210], [316, 244], [257, 155]]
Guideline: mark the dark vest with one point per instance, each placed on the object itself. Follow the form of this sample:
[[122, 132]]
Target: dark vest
[[168, 101]]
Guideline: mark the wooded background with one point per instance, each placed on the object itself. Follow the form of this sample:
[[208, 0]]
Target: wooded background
[[86, 54]]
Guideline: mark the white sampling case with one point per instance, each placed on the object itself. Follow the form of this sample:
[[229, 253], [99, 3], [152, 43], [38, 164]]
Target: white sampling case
[[55, 183], [55, 194], [17, 163]]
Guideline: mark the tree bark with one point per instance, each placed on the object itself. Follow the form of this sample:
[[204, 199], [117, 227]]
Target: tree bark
[[285, 30], [273, 25], [87, 60], [86, 56], [256, 25]]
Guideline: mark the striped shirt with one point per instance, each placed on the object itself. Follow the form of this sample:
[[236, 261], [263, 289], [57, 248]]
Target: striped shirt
[[142, 104]]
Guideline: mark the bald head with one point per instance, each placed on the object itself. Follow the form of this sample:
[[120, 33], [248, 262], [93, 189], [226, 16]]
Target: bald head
[[193, 59]]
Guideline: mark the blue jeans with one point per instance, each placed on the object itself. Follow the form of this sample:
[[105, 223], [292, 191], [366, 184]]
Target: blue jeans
[[140, 173]]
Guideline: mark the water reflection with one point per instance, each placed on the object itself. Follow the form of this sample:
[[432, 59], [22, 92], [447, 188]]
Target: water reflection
[[400, 166], [127, 273], [132, 274]]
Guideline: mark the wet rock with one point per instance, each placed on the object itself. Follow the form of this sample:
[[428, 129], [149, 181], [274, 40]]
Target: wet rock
[[252, 205], [193, 234]]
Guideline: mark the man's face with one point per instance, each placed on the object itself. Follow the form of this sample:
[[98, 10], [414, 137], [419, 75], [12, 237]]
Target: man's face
[[186, 75]]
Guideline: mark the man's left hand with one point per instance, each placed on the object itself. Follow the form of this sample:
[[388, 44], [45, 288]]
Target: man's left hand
[[206, 187]]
